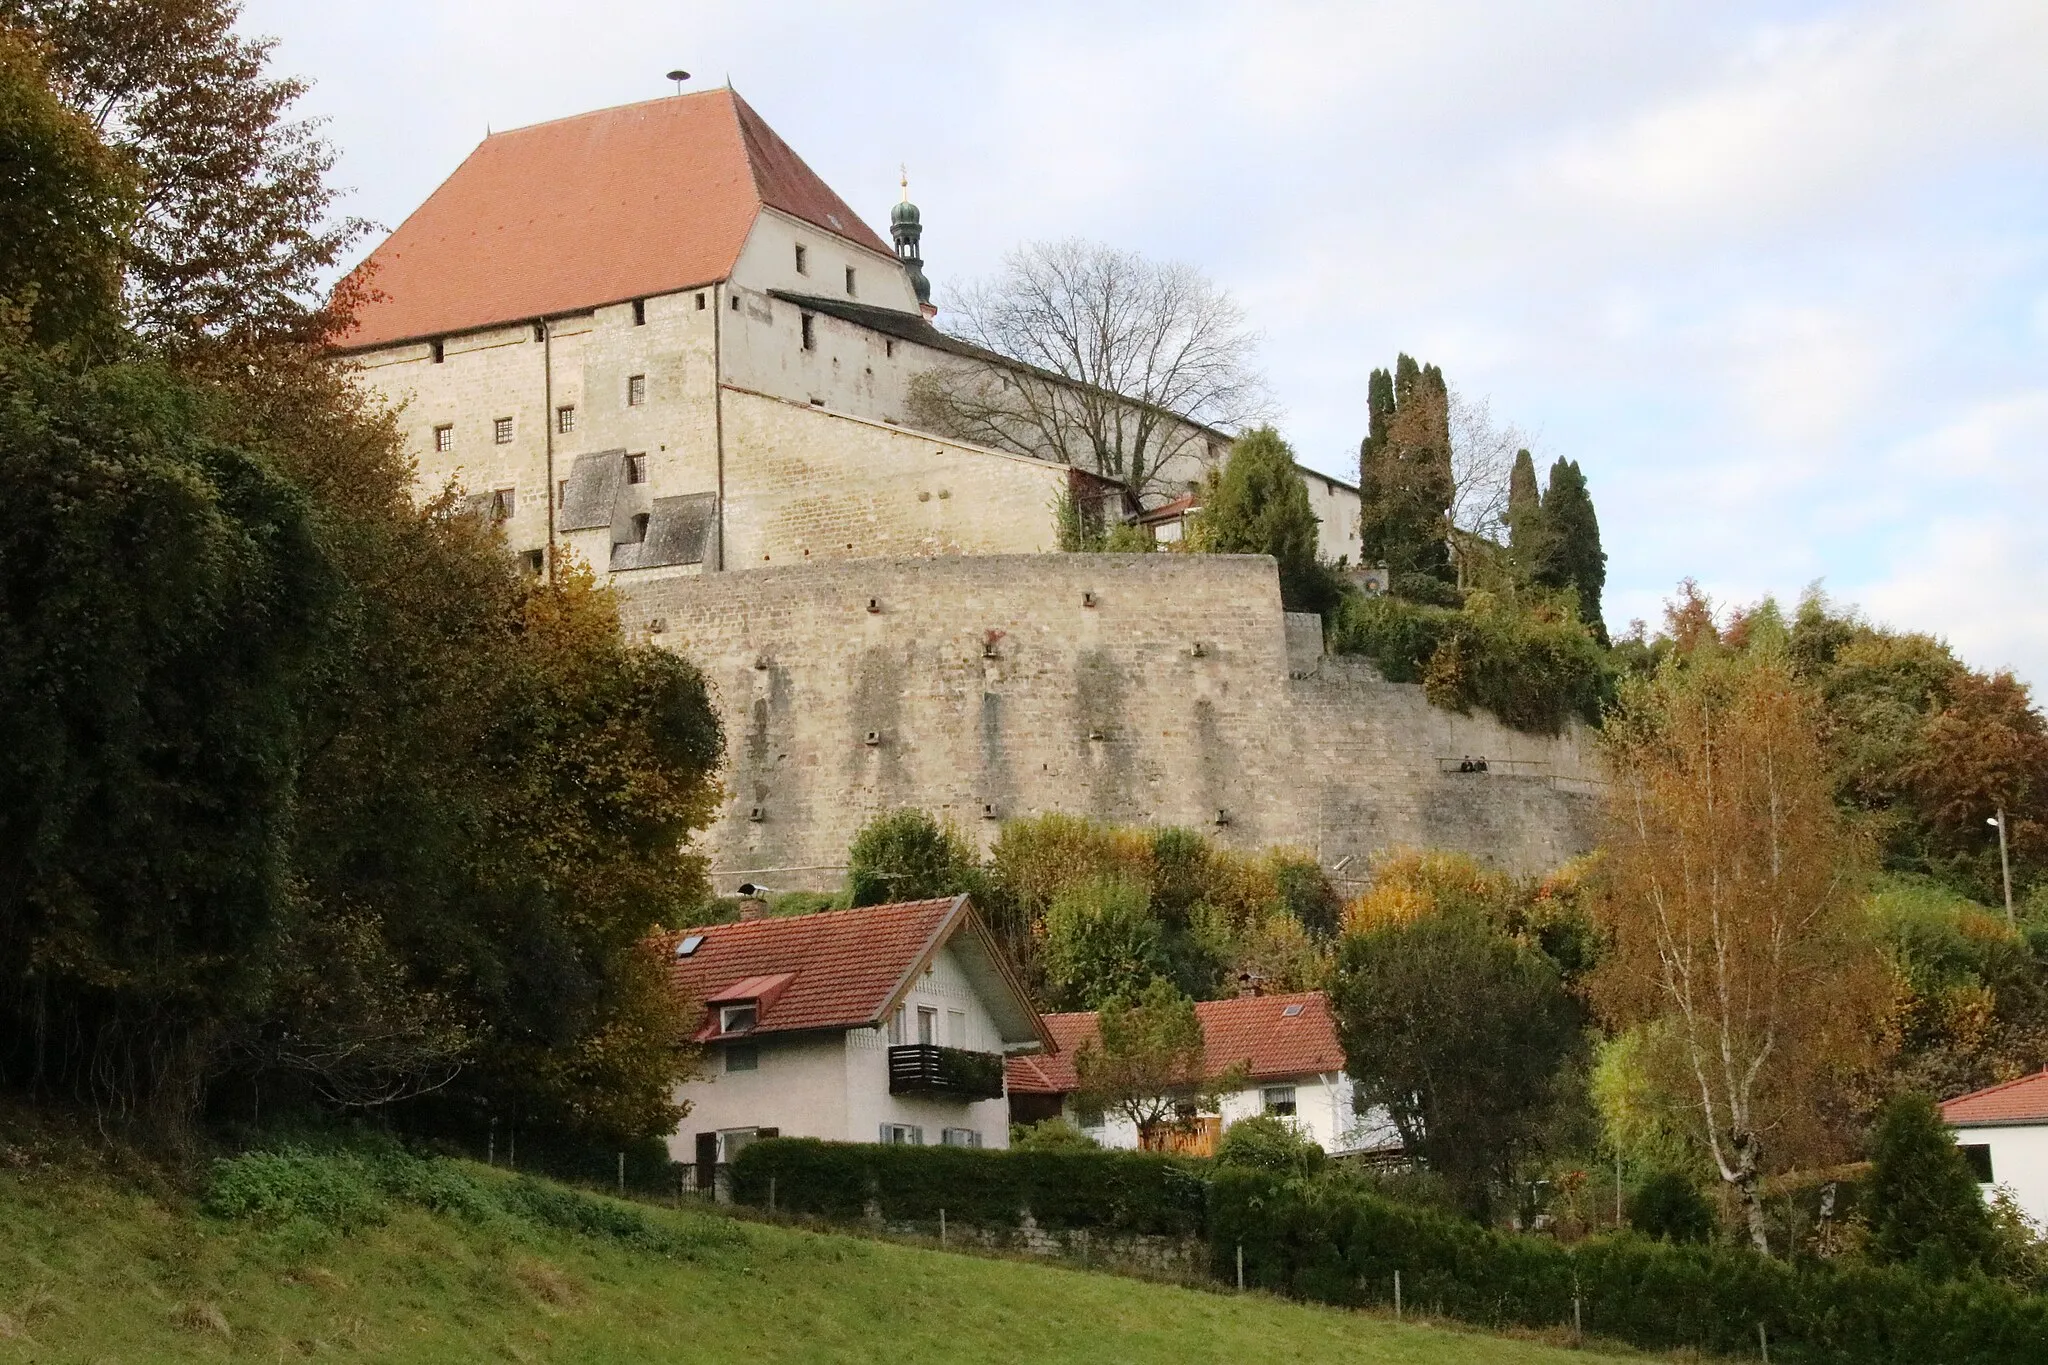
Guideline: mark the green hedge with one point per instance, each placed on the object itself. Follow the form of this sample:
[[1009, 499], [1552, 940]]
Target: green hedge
[[1101, 1191], [1533, 674], [1327, 1242]]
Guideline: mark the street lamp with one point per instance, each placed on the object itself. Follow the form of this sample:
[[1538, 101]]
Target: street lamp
[[2004, 861]]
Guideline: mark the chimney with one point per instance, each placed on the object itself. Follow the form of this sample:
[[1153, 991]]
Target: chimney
[[752, 908]]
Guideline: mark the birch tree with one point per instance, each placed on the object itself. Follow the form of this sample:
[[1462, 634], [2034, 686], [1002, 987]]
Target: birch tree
[[1731, 907]]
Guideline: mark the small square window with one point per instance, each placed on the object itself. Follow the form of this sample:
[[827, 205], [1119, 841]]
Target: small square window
[[810, 325], [960, 1137], [636, 390], [444, 438], [535, 561], [440, 352], [1280, 1101], [735, 303], [851, 292], [636, 469], [742, 1056], [504, 502], [561, 492], [1978, 1155], [639, 312], [889, 346], [902, 1135], [635, 534], [565, 420], [736, 1018], [700, 302], [501, 431], [803, 260]]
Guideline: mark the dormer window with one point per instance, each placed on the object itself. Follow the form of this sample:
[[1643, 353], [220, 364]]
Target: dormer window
[[736, 1018]]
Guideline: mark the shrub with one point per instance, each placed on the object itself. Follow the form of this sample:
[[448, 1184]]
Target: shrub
[[906, 855], [1266, 1143], [338, 1192], [1925, 1209], [1050, 1135], [1427, 589], [1533, 671], [1126, 1192], [1332, 1242], [1670, 1207]]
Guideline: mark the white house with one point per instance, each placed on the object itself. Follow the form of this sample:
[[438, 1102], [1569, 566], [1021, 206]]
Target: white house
[[888, 1023], [1288, 1044], [2004, 1132]]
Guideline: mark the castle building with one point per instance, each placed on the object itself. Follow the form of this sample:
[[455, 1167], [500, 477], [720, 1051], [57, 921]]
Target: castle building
[[651, 336]]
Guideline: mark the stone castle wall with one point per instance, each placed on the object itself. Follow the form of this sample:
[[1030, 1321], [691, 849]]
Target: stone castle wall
[[1139, 689]]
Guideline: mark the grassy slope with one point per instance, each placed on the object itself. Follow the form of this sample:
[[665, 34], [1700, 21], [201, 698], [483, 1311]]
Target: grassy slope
[[91, 1269]]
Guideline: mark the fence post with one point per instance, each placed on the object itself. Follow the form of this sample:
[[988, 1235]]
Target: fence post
[[1240, 1267], [491, 1152], [942, 1227], [1397, 1294], [1578, 1323], [1763, 1341], [622, 1175], [771, 1194]]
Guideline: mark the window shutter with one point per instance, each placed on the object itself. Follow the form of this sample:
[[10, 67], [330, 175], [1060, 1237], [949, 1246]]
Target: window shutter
[[884, 1138], [917, 1135]]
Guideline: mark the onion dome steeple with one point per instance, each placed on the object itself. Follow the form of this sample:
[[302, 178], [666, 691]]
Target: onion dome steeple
[[907, 229]]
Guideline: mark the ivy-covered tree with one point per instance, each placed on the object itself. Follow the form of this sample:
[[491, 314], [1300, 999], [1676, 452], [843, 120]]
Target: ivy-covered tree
[[1568, 553], [1258, 505], [1404, 472]]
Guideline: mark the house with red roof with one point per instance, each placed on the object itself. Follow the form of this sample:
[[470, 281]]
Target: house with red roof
[[2003, 1130], [888, 1023], [1287, 1043]]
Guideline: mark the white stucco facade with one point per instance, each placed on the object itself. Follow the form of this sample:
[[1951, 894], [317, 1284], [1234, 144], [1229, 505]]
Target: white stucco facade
[[1319, 1107], [2019, 1164], [835, 1084]]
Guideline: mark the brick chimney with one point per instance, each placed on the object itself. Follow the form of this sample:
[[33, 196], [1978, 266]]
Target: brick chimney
[[752, 908]]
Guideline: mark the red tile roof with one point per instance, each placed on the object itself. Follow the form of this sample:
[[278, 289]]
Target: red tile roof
[[596, 209], [2022, 1101], [1256, 1029], [839, 969]]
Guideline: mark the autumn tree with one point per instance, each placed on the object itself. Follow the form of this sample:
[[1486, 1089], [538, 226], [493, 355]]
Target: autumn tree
[[1096, 357], [236, 229], [1149, 1064], [906, 855], [1731, 907]]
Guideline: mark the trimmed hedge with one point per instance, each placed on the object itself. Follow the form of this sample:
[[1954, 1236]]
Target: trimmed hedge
[[1323, 1241], [1123, 1192]]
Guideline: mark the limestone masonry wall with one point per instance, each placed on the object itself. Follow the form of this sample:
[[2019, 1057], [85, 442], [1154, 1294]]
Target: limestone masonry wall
[[1140, 689]]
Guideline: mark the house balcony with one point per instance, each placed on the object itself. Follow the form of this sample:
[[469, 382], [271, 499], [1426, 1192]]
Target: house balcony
[[945, 1072]]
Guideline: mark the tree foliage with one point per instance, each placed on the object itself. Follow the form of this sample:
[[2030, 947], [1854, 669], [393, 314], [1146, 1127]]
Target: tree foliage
[[1148, 1064], [1731, 908], [1925, 1209], [1566, 553], [1459, 1032], [906, 855], [1405, 481], [1258, 505]]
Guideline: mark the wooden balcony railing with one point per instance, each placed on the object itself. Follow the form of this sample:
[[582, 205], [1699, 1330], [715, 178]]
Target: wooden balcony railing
[[928, 1069]]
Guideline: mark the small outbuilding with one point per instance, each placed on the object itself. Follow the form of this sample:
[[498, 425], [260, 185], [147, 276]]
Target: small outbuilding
[[2003, 1130]]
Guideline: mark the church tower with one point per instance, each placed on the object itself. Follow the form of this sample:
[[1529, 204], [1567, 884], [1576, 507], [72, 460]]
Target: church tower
[[907, 230]]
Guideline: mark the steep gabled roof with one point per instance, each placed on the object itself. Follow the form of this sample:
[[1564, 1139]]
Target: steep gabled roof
[[2022, 1101], [596, 209], [845, 969], [1258, 1030]]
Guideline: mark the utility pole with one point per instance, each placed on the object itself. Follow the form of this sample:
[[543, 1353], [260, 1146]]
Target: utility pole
[[2004, 864]]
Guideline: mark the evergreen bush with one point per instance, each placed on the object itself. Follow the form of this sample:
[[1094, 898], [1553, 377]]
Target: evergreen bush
[[1669, 1206], [1120, 1192], [1533, 673]]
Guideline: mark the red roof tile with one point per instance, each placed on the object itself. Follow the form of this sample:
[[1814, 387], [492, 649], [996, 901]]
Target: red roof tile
[[603, 207], [1256, 1029], [839, 969], [2022, 1101]]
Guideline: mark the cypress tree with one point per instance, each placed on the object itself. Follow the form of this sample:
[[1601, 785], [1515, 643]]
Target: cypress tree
[[1925, 1210], [1525, 511], [1260, 506], [1405, 483], [1568, 554]]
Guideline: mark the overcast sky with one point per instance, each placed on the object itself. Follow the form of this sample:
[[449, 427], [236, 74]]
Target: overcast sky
[[1776, 275]]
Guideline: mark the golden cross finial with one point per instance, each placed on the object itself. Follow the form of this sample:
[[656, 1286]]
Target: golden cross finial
[[904, 169]]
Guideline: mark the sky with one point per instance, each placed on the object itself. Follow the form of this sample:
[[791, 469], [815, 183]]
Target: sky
[[1775, 275]]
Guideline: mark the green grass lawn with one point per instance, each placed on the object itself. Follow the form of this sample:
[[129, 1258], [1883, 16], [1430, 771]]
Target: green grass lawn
[[95, 1268]]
